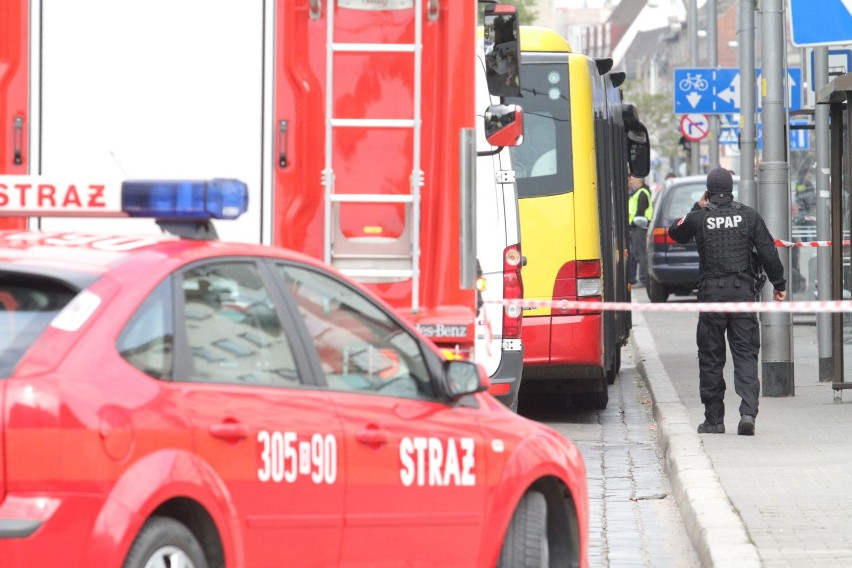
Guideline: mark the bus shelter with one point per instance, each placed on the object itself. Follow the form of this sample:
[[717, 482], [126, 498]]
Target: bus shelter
[[837, 94]]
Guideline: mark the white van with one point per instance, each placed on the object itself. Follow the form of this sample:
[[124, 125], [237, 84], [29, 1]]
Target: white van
[[498, 345]]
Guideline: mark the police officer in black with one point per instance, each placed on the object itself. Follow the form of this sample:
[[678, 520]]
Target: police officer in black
[[733, 242]]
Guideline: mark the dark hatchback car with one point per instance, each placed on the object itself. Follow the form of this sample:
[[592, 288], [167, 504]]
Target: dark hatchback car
[[673, 267]]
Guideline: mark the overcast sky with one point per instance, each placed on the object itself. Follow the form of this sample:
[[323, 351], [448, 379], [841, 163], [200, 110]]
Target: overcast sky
[[655, 15]]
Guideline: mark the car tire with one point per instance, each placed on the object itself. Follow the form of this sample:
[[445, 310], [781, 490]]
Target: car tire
[[165, 542], [657, 293], [525, 544]]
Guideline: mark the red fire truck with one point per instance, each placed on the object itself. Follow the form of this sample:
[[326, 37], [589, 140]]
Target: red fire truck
[[354, 123], [14, 93], [375, 139]]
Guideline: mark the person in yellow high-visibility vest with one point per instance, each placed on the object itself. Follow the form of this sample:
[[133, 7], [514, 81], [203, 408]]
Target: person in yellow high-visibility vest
[[639, 211]]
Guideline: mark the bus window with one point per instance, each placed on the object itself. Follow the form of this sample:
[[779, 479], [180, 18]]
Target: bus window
[[543, 164]]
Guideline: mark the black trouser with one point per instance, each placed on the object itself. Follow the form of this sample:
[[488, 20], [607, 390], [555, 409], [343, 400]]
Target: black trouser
[[743, 331]]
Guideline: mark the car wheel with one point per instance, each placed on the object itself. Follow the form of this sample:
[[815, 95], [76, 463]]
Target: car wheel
[[657, 293], [165, 542], [525, 545]]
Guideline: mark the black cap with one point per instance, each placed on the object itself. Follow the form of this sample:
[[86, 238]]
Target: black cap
[[719, 180]]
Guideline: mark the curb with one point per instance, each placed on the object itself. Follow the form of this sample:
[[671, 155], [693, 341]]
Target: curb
[[714, 526]]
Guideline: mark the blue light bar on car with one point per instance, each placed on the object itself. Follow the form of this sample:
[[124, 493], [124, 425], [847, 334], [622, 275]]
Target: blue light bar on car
[[180, 199]]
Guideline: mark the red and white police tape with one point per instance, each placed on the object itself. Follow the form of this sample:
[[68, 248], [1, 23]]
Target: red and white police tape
[[833, 306], [782, 243]]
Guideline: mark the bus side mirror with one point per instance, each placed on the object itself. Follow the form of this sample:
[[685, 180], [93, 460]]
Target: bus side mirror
[[638, 151], [502, 50], [504, 125]]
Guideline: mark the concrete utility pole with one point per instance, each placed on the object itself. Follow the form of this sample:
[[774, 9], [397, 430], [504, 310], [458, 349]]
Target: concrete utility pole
[[713, 60], [692, 25], [777, 367], [823, 215], [748, 88]]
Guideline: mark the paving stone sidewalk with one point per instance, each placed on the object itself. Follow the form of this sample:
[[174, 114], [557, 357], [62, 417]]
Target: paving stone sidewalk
[[779, 499]]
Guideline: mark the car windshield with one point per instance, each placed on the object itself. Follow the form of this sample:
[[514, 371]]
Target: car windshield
[[682, 199], [27, 306]]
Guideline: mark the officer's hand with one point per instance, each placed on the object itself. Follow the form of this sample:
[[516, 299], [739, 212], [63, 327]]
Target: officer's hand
[[779, 295]]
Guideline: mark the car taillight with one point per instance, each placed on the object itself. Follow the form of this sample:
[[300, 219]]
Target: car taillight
[[513, 289], [578, 280], [661, 236]]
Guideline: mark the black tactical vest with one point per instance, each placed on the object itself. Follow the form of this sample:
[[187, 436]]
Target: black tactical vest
[[727, 248]]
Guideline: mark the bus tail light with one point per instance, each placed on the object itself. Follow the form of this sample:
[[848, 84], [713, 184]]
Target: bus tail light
[[578, 280], [513, 289]]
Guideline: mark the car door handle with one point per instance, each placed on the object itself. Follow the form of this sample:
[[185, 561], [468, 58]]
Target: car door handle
[[228, 431], [372, 437]]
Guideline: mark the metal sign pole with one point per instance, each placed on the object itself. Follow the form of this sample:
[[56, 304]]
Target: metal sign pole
[[713, 59], [774, 199], [692, 25]]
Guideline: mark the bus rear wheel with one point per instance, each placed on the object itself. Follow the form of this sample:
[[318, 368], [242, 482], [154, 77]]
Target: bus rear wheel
[[612, 373]]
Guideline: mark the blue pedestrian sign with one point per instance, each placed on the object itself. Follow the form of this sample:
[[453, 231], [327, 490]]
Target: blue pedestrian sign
[[827, 22], [799, 138], [716, 90]]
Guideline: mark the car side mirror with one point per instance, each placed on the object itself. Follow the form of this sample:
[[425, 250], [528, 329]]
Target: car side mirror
[[641, 222], [464, 378]]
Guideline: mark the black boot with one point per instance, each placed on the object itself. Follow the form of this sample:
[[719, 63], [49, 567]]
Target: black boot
[[710, 428], [746, 427]]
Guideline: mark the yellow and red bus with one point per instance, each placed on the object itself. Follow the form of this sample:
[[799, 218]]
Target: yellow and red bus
[[580, 143]]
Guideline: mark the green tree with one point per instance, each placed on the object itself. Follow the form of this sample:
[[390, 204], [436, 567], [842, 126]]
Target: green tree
[[527, 12]]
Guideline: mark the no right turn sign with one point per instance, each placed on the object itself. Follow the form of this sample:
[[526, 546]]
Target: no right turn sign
[[694, 127]]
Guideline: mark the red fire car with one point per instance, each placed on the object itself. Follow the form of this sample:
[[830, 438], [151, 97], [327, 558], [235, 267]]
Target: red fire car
[[180, 401]]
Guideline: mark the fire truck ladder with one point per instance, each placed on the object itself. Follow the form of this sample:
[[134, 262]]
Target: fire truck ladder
[[375, 259]]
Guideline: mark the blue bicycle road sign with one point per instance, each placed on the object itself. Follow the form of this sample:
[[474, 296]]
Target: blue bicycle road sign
[[828, 22], [711, 90]]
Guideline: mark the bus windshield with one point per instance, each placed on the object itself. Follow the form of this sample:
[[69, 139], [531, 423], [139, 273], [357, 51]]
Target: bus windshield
[[543, 164]]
